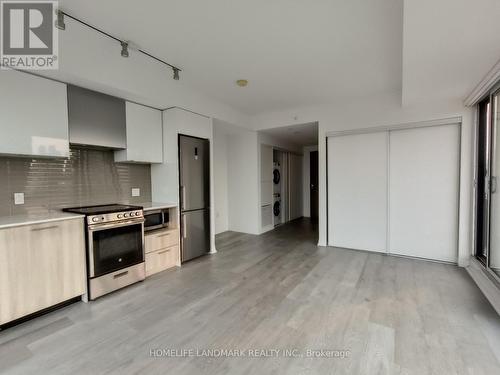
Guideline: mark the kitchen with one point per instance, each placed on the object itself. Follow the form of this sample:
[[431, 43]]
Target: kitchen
[[85, 183]]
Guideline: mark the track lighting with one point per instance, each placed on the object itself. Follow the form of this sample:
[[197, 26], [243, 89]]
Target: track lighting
[[59, 23], [124, 49], [60, 20]]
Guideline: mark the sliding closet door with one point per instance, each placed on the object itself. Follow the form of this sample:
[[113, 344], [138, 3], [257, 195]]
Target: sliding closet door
[[357, 191], [423, 191]]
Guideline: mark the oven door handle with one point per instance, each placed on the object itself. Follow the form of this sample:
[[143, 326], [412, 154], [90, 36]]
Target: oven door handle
[[99, 227]]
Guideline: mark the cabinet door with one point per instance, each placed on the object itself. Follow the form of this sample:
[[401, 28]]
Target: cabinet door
[[96, 119], [40, 266], [160, 239], [161, 260], [33, 116], [144, 135], [17, 295]]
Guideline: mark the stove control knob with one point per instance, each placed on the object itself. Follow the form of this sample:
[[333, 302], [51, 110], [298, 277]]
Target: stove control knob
[[119, 216], [138, 213], [125, 214], [95, 219]]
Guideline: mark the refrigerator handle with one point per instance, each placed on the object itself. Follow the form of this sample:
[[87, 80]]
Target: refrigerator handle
[[184, 228], [183, 196]]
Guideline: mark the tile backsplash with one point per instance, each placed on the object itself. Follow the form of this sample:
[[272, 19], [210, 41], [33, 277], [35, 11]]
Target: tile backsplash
[[87, 177]]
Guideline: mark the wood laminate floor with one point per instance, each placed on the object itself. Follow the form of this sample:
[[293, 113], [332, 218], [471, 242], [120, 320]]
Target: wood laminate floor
[[278, 291]]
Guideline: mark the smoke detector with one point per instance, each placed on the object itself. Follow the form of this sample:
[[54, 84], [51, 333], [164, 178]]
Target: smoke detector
[[242, 82]]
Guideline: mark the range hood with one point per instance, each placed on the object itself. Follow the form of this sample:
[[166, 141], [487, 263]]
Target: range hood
[[96, 119]]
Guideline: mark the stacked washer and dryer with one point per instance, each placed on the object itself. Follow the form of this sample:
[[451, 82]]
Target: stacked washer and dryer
[[280, 188], [277, 192]]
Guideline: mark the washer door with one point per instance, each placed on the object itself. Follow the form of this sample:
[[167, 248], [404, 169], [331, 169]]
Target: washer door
[[276, 176], [277, 208]]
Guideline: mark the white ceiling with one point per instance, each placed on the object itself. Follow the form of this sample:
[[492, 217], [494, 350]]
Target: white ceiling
[[293, 52], [300, 135], [449, 46], [297, 53]]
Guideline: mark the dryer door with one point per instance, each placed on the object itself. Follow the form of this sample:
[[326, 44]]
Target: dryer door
[[276, 176], [277, 208]]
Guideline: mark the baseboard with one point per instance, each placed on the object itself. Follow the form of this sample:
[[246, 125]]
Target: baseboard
[[485, 282], [266, 229], [39, 313]]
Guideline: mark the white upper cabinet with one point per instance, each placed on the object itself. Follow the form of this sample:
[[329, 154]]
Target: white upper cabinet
[[144, 135], [33, 116]]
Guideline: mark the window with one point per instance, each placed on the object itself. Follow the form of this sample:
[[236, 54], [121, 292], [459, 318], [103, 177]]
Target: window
[[487, 240]]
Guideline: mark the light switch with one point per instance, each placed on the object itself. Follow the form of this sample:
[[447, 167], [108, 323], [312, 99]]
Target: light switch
[[18, 198], [136, 192]]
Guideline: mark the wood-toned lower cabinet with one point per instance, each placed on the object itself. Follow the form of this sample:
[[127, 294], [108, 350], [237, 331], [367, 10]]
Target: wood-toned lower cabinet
[[162, 250], [161, 260], [160, 239], [40, 266]]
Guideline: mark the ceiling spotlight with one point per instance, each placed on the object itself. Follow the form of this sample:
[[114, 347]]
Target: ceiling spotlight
[[242, 82], [60, 20], [176, 73], [124, 49]]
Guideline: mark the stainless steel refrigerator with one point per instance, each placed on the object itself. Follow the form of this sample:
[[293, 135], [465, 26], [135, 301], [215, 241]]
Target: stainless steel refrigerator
[[194, 180]]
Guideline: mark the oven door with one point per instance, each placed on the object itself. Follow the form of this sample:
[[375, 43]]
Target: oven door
[[115, 246]]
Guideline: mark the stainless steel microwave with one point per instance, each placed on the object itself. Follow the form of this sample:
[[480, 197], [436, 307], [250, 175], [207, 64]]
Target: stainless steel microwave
[[156, 219]]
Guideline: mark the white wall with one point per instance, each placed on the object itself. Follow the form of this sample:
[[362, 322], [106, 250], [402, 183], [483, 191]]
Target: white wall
[[448, 47], [295, 208], [221, 199], [306, 180], [383, 110], [270, 140], [243, 182]]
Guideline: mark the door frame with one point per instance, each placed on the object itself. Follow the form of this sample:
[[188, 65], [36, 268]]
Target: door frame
[[316, 152], [493, 150], [404, 126], [476, 193], [495, 89]]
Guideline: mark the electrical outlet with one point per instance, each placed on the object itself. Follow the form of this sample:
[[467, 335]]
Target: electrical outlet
[[136, 192], [18, 198]]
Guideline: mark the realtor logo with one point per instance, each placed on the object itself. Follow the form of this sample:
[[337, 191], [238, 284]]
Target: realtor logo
[[28, 35]]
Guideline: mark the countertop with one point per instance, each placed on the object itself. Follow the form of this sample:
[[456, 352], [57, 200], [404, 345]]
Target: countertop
[[149, 206], [28, 219]]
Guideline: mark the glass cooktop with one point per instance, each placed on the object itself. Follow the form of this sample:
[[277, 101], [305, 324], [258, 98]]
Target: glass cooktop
[[102, 209]]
